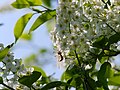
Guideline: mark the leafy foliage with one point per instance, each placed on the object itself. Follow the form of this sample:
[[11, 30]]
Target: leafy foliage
[[19, 4], [1, 80], [30, 79], [104, 73], [38, 69], [20, 25], [53, 85], [47, 3], [115, 80], [5, 51], [42, 19]]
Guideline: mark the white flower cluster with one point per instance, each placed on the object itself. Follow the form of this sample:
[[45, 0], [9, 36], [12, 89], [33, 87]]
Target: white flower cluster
[[12, 69], [78, 22]]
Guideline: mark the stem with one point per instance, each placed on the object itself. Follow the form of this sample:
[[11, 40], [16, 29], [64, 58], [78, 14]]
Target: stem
[[45, 7], [7, 86], [69, 28], [111, 28], [77, 58], [33, 88], [85, 85]]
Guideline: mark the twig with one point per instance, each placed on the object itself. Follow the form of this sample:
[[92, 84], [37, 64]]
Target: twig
[[111, 28], [7, 86], [77, 58]]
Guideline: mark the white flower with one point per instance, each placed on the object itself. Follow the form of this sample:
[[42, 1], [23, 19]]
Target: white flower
[[80, 21]]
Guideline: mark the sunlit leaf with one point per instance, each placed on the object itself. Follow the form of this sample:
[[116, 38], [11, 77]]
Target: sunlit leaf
[[42, 19], [29, 80], [53, 85], [34, 2], [5, 51], [20, 25], [111, 52], [19, 4], [115, 80], [26, 36], [50, 25], [38, 69]]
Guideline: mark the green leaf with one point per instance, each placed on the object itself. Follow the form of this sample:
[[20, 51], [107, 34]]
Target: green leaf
[[20, 25], [102, 57], [76, 81], [53, 85], [5, 51], [44, 80], [34, 2], [38, 69], [104, 73], [1, 80], [26, 36], [19, 4], [115, 80], [100, 42], [111, 52], [90, 83], [42, 19], [47, 2], [70, 72], [29, 80], [105, 70], [114, 38], [86, 26]]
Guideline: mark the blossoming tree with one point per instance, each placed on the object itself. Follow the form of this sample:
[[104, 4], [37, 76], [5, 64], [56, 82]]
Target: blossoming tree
[[85, 38]]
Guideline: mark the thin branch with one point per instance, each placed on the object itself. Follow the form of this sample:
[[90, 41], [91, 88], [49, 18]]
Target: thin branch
[[45, 7], [7, 86], [77, 58], [111, 28]]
